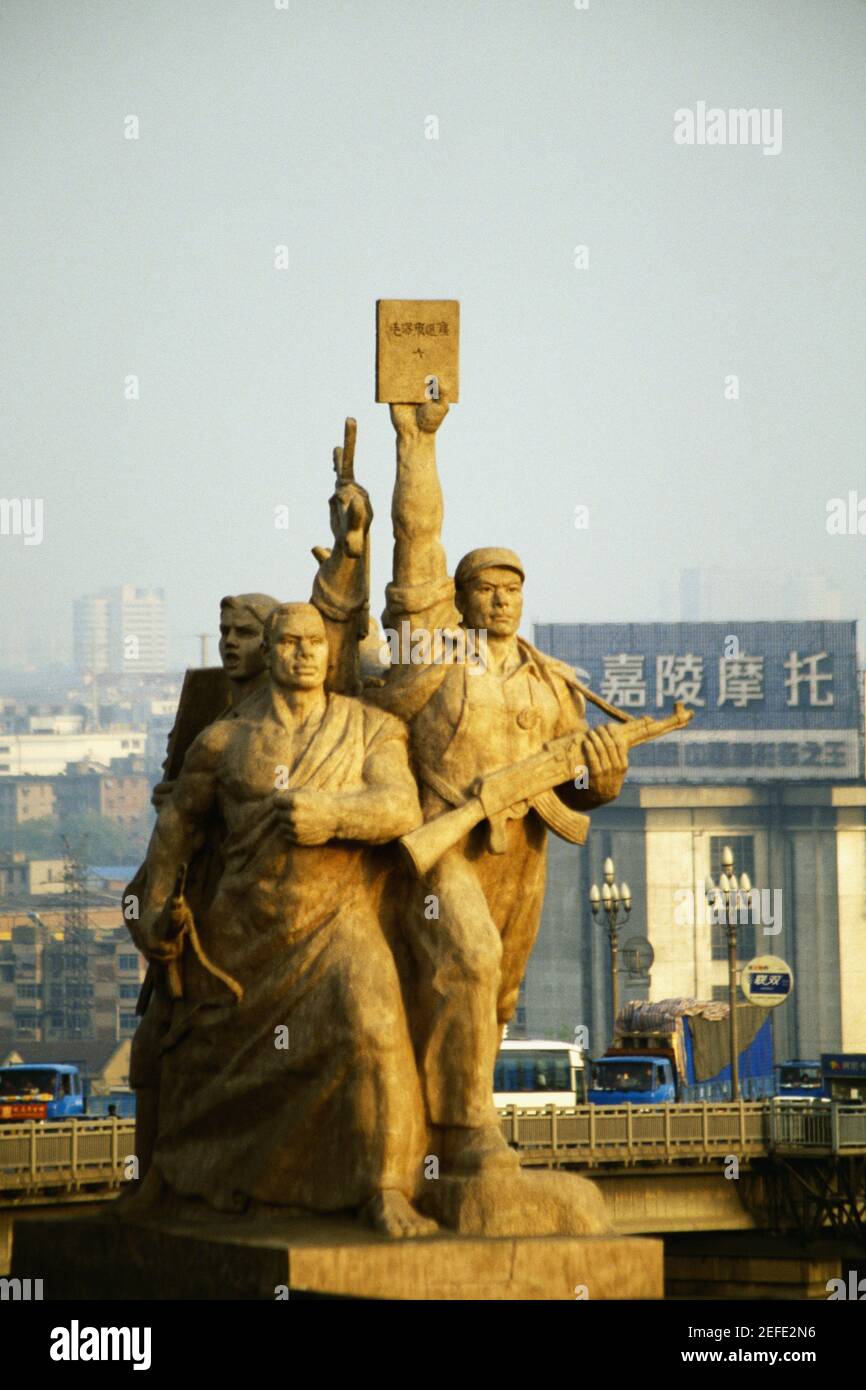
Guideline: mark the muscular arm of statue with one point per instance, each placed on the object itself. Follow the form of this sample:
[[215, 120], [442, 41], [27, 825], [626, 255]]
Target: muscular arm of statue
[[385, 809], [416, 506], [177, 835], [340, 589]]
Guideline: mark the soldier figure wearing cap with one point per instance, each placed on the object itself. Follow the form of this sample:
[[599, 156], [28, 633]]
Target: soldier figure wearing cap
[[471, 923]]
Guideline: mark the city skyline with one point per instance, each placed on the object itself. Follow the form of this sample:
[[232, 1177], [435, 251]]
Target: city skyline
[[669, 339]]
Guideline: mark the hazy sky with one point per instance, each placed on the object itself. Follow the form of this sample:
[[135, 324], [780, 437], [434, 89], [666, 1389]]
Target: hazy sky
[[602, 386]]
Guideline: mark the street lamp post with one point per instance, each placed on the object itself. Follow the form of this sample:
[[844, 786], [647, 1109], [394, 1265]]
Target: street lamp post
[[733, 894], [616, 902]]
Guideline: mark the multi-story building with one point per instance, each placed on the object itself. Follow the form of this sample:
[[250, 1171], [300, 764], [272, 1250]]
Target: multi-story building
[[49, 993], [120, 792], [771, 766], [120, 630], [90, 634], [46, 754], [23, 877], [25, 799]]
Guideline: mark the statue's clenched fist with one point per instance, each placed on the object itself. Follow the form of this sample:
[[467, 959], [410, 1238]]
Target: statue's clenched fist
[[351, 515], [606, 754], [305, 817], [412, 420]]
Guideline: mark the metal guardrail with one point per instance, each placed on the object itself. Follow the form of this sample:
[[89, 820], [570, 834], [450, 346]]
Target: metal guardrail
[[849, 1128], [595, 1135], [68, 1154], [802, 1126], [77, 1154]]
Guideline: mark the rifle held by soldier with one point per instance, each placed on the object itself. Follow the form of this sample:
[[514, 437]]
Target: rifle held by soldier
[[526, 781]]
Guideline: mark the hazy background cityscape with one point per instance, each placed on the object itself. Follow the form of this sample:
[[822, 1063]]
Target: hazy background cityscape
[[661, 391]]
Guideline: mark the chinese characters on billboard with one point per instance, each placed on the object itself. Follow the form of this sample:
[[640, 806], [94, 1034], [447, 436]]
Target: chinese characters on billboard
[[771, 700]]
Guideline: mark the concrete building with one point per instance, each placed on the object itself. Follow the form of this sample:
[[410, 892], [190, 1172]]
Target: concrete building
[[757, 777], [46, 754], [37, 983], [120, 630], [90, 634], [120, 793], [21, 877], [25, 799]]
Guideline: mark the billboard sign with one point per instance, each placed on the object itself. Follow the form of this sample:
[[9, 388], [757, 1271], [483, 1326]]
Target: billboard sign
[[772, 700]]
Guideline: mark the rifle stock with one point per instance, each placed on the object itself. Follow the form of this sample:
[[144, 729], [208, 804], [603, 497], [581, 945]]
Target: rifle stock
[[539, 773]]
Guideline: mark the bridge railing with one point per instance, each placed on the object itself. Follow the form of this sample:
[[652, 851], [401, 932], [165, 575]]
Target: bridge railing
[[849, 1128], [67, 1153], [806, 1126], [599, 1134]]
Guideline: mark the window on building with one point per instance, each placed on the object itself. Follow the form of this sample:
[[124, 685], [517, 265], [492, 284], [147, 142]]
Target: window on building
[[743, 849], [26, 1023], [128, 1022], [126, 962], [29, 991], [129, 991]]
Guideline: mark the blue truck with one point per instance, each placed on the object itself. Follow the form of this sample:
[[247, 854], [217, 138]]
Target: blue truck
[[677, 1050], [49, 1091]]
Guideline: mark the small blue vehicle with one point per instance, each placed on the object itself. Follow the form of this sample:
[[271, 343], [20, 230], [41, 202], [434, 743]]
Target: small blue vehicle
[[49, 1091], [800, 1080]]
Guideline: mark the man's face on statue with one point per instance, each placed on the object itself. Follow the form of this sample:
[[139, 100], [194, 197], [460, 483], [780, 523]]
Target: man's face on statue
[[493, 599], [240, 645], [298, 651]]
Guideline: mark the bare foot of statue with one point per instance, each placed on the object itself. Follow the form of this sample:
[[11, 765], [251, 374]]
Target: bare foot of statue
[[392, 1214], [479, 1149]]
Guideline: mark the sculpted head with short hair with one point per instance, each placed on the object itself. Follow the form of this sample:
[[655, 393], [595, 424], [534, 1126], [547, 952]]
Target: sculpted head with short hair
[[295, 647], [489, 591], [242, 620]]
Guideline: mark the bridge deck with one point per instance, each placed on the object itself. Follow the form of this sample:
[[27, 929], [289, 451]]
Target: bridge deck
[[77, 1155]]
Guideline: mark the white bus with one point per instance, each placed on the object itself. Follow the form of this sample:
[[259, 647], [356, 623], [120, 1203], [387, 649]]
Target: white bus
[[534, 1072]]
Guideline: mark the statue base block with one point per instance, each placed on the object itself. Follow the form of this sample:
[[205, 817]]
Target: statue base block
[[259, 1256]]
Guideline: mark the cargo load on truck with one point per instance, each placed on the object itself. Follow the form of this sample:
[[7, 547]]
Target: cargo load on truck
[[678, 1050]]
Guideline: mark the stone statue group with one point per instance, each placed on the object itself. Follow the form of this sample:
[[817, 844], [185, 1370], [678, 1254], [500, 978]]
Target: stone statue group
[[320, 1020]]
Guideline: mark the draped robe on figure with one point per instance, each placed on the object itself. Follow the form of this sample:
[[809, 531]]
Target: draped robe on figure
[[336, 1115]]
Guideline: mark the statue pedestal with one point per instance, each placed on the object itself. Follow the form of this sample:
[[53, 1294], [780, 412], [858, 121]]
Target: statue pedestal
[[251, 1256]]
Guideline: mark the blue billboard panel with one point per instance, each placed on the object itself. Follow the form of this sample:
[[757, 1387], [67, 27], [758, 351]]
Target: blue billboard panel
[[772, 700]]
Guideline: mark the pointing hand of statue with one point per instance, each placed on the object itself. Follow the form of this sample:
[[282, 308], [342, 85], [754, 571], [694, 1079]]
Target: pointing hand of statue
[[606, 753], [305, 817]]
